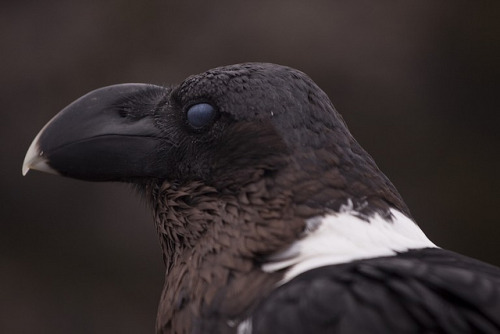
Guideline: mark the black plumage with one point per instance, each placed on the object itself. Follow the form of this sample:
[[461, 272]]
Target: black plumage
[[236, 163], [420, 291]]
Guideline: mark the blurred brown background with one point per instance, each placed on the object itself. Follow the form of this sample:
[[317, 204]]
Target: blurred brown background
[[416, 81]]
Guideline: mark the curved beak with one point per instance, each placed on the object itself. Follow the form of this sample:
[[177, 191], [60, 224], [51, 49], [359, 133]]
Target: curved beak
[[108, 134]]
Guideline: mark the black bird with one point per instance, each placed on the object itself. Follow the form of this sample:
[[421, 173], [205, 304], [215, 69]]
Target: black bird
[[271, 217]]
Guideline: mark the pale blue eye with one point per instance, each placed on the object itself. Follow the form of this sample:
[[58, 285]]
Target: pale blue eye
[[200, 115]]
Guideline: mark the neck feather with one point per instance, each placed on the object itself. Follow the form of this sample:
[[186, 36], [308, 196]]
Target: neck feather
[[346, 236]]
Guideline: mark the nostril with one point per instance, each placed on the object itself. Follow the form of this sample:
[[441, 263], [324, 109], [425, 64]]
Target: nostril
[[123, 113]]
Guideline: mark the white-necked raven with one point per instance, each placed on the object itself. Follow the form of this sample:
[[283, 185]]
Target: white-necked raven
[[272, 218]]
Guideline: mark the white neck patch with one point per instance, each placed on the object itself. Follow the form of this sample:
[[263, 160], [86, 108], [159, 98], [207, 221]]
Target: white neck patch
[[344, 237]]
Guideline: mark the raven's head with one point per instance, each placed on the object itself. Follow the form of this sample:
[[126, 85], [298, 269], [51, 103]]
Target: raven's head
[[225, 128], [233, 161]]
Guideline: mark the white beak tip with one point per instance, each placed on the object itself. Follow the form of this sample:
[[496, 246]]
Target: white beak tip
[[35, 158], [26, 169]]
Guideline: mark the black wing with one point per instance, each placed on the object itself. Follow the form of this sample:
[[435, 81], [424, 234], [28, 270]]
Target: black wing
[[421, 291]]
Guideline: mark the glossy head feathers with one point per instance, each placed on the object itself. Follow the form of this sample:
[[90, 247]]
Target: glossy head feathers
[[224, 128]]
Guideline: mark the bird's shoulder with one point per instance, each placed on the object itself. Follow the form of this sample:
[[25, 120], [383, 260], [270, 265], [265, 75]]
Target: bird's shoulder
[[419, 291]]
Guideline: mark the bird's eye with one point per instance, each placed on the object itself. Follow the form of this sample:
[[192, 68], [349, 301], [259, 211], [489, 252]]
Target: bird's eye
[[200, 115]]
